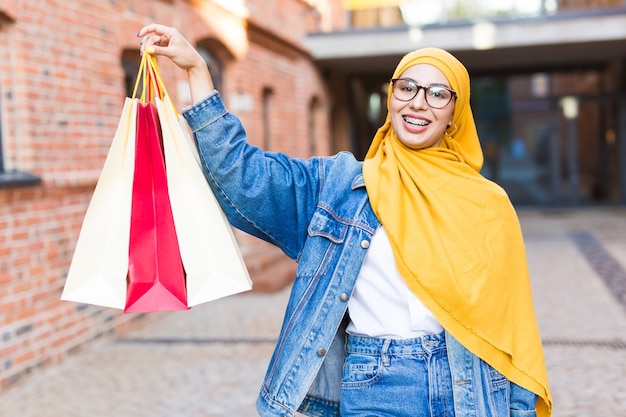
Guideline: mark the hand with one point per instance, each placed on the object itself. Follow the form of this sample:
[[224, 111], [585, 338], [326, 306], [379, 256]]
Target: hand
[[167, 41]]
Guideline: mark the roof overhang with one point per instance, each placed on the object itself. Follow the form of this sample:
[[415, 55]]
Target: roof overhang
[[518, 45]]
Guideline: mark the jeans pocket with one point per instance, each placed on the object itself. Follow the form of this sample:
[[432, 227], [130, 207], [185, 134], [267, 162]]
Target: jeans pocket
[[360, 370]]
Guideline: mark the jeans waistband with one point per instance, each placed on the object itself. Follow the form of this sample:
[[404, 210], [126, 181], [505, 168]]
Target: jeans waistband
[[374, 346]]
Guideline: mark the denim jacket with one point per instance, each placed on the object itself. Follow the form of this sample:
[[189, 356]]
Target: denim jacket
[[317, 211]]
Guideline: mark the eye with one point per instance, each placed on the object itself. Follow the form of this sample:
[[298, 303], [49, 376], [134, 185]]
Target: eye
[[408, 87], [438, 92]]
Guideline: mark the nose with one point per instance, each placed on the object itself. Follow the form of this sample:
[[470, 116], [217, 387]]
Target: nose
[[419, 101]]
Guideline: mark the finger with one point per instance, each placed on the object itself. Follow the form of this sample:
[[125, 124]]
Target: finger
[[151, 28], [150, 42], [155, 45], [156, 50], [144, 44], [154, 28]]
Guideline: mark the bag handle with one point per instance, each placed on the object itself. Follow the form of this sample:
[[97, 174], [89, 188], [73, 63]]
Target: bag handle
[[140, 77], [152, 82]]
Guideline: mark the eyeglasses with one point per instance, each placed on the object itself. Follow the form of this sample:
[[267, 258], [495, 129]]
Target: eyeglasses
[[437, 96]]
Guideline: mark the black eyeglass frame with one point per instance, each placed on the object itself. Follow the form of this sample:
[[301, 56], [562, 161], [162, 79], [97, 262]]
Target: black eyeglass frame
[[421, 87]]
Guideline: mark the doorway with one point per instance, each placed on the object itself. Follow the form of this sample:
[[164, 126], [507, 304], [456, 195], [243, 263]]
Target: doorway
[[552, 139]]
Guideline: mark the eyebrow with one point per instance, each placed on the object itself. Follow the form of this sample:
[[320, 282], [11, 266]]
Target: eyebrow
[[440, 85], [428, 85]]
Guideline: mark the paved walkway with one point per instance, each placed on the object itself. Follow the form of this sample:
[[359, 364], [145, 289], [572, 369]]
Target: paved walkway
[[209, 361]]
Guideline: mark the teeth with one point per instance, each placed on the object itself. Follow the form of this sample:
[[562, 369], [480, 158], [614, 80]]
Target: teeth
[[419, 122]]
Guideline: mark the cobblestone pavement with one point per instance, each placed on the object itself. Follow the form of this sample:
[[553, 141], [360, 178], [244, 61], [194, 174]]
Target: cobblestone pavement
[[209, 361]]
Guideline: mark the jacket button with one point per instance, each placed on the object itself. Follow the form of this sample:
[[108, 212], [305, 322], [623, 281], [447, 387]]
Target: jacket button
[[343, 296], [365, 244], [321, 352]]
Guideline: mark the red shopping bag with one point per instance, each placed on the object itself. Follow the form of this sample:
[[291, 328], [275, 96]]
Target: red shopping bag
[[156, 278]]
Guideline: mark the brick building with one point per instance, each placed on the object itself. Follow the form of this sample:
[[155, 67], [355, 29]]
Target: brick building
[[65, 69]]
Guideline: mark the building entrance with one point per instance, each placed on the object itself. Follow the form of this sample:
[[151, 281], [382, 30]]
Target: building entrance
[[552, 139]]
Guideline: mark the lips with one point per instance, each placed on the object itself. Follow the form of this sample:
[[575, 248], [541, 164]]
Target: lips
[[414, 121]]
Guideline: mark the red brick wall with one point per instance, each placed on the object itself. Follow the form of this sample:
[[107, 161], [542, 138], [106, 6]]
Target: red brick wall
[[62, 90]]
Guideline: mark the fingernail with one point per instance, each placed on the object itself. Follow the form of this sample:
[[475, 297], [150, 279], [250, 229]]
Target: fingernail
[[139, 33], [150, 49]]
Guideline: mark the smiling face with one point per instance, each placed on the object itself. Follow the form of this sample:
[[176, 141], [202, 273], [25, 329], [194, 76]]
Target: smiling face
[[415, 123]]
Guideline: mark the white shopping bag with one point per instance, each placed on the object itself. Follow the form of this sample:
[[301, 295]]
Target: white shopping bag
[[210, 254], [97, 273]]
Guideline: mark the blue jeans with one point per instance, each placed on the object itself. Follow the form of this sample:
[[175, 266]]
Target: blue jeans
[[384, 377]]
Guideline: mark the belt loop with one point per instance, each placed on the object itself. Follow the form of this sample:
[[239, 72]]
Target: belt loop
[[384, 354]]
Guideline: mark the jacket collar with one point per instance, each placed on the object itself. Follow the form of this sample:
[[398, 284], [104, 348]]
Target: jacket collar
[[358, 182]]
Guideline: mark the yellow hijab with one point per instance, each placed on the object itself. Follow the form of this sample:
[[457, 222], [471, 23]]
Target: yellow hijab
[[456, 237]]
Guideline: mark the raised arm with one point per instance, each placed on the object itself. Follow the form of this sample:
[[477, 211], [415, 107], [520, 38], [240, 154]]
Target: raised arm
[[266, 194]]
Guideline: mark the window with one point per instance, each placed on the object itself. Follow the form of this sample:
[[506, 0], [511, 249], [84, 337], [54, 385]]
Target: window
[[267, 113], [131, 60], [216, 56], [314, 122], [1, 155], [9, 176], [214, 65]]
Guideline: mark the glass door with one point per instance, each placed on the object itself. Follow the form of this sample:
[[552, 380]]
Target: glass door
[[553, 139]]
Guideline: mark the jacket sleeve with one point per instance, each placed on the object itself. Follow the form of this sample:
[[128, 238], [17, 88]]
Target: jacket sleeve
[[266, 194]]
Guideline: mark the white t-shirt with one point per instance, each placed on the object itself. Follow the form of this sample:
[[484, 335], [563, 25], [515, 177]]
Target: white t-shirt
[[382, 305]]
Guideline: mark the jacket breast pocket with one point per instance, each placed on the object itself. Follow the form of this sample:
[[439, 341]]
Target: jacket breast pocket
[[498, 391], [326, 234]]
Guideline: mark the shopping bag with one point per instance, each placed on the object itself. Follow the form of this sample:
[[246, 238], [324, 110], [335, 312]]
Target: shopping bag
[[211, 257], [154, 236], [202, 240], [156, 279], [210, 254], [97, 273]]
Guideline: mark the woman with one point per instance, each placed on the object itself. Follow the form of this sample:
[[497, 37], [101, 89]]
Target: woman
[[412, 295]]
